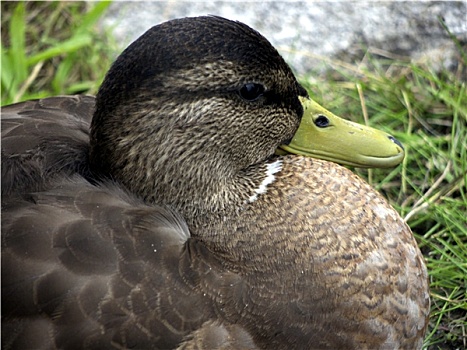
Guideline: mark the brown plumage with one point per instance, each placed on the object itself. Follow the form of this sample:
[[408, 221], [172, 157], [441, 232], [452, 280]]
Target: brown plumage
[[176, 226]]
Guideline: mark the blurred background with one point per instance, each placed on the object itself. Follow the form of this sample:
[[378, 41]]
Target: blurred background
[[399, 66], [308, 32]]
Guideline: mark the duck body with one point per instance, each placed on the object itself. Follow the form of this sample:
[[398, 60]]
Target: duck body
[[109, 241], [314, 277]]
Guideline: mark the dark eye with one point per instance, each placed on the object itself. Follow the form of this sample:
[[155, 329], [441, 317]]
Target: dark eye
[[251, 91], [322, 121]]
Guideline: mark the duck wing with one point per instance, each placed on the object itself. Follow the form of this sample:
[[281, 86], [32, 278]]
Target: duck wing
[[43, 139], [84, 268]]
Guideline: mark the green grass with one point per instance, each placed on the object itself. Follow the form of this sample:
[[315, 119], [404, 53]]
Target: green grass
[[52, 48], [56, 48]]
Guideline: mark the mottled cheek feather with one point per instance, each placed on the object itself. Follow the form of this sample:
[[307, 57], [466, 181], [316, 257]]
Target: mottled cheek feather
[[271, 169], [207, 76]]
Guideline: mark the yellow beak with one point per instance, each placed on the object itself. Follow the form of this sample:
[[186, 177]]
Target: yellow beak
[[323, 135]]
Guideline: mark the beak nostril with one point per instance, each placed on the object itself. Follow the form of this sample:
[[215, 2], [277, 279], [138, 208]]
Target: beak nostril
[[396, 141], [322, 121]]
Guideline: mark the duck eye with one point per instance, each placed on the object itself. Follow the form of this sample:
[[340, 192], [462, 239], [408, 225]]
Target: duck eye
[[251, 91], [322, 121]]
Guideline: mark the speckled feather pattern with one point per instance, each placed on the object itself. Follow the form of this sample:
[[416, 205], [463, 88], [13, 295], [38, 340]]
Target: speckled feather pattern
[[349, 266]]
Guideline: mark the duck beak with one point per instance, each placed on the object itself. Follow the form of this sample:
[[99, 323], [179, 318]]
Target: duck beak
[[323, 135]]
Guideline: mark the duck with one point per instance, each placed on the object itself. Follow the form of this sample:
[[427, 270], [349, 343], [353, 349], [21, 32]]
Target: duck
[[196, 203]]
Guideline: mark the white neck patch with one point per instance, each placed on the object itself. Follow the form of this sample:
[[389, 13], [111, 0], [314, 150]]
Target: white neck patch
[[271, 169]]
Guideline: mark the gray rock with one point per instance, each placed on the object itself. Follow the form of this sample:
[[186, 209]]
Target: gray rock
[[308, 34]]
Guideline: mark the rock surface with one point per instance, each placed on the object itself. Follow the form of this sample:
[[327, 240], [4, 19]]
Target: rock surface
[[309, 33]]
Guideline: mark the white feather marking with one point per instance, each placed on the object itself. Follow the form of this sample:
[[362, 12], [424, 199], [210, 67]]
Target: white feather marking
[[271, 169]]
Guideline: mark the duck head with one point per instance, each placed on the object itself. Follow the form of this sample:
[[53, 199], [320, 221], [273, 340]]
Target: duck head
[[191, 114], [193, 110]]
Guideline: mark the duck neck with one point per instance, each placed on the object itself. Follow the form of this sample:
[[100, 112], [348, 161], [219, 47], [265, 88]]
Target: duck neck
[[203, 188], [244, 236], [205, 201]]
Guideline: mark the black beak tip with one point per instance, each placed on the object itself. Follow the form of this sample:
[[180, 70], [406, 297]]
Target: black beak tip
[[396, 141]]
